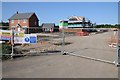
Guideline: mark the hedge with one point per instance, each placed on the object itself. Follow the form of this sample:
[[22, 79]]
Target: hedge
[[5, 49]]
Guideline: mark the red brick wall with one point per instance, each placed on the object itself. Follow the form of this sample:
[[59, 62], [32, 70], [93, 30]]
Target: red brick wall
[[21, 23], [32, 21]]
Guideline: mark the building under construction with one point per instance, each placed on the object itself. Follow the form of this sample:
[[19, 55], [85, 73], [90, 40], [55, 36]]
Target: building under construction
[[76, 22]]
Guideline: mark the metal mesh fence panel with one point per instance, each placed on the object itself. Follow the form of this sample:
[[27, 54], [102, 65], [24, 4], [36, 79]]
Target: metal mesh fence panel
[[96, 44], [47, 43]]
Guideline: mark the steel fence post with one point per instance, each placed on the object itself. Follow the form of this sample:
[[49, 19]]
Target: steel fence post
[[12, 42]]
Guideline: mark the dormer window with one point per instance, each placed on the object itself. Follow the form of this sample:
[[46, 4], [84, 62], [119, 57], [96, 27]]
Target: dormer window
[[24, 20]]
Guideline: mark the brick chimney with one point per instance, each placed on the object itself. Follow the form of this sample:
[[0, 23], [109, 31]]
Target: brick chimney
[[17, 12]]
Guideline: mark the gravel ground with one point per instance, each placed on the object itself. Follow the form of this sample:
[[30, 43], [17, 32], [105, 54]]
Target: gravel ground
[[95, 46], [67, 66]]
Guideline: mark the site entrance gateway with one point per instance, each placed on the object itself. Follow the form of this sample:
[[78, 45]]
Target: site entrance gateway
[[99, 44]]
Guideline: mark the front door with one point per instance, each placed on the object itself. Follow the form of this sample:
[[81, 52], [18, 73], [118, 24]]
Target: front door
[[18, 28]]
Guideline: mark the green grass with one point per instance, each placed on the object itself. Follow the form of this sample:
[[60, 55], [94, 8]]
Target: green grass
[[5, 49]]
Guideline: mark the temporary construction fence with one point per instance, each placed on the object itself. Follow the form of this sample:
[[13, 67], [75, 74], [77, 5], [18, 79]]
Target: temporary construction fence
[[94, 47], [114, 39], [118, 48], [47, 43]]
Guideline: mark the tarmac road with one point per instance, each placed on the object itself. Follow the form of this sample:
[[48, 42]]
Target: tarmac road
[[66, 66], [95, 46]]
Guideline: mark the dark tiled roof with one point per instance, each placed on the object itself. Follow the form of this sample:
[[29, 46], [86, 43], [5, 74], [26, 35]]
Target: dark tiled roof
[[48, 25], [21, 16]]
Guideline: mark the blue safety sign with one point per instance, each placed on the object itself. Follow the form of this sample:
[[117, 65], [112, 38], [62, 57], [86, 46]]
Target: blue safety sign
[[27, 39], [30, 38], [33, 39]]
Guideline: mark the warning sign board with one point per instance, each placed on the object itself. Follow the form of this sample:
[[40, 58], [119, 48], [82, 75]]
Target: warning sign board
[[30, 38], [18, 37], [5, 34]]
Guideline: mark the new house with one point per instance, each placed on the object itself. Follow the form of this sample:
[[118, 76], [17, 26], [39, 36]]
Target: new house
[[27, 22], [50, 27]]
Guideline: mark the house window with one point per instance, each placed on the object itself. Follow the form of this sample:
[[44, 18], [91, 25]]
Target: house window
[[24, 27], [24, 20], [13, 27], [12, 21], [18, 20]]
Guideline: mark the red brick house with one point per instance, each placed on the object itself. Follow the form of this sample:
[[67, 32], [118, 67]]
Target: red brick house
[[27, 22]]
